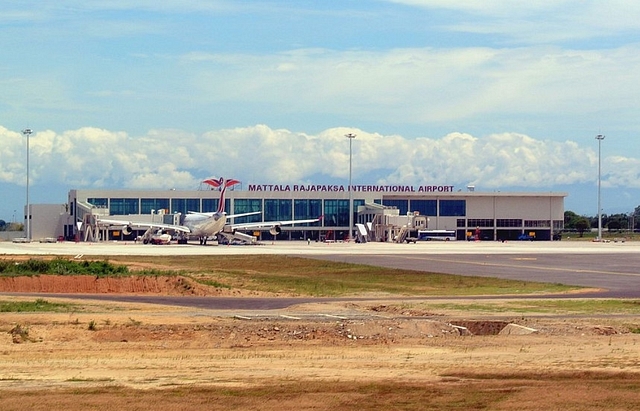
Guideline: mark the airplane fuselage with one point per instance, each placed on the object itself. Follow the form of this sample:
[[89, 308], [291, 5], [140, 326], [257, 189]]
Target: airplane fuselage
[[205, 225]]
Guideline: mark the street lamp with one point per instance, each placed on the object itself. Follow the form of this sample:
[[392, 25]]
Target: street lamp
[[599, 137], [350, 136], [27, 132]]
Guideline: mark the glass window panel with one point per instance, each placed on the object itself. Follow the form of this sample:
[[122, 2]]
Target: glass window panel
[[184, 205], [123, 206], [425, 207], [209, 205], [276, 210], [245, 205], [453, 208], [99, 202], [307, 209], [508, 222], [537, 223], [148, 204], [336, 213], [401, 205], [480, 222]]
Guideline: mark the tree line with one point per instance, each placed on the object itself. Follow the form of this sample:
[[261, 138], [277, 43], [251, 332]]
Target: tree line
[[610, 222], [4, 226]]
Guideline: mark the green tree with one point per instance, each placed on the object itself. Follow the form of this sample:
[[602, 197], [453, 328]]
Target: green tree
[[614, 225], [617, 222], [636, 218], [570, 219], [582, 224]]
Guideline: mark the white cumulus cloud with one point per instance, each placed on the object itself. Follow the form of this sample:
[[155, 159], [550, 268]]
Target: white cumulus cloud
[[91, 157]]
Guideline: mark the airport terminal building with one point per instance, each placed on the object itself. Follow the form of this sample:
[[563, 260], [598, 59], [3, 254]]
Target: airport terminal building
[[487, 215]]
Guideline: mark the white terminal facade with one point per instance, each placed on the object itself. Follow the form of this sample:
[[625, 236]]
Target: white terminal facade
[[493, 215]]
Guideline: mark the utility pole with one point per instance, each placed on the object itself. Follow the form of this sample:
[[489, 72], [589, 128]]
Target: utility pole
[[27, 132], [599, 137], [350, 136]]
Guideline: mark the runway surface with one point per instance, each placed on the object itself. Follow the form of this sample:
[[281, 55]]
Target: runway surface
[[618, 274]]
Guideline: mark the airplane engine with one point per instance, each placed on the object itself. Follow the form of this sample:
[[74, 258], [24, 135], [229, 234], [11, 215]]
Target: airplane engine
[[275, 230], [126, 230]]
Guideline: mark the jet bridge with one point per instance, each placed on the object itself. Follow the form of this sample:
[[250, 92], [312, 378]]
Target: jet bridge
[[385, 224], [86, 221]]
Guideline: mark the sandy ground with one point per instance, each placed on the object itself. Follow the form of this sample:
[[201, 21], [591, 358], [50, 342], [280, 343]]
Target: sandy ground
[[351, 349], [56, 357], [145, 346]]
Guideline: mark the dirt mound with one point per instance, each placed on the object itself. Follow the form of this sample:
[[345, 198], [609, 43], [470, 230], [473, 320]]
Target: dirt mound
[[87, 284]]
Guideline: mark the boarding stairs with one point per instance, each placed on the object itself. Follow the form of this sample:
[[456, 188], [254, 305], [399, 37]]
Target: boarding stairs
[[230, 237], [402, 234]]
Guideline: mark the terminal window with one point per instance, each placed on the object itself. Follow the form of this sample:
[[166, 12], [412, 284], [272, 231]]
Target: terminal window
[[480, 222], [183, 205], [98, 202], [209, 205], [424, 207], [537, 223], [275, 210], [336, 213], [453, 208], [124, 206], [401, 205], [148, 204], [509, 222], [247, 205], [307, 209]]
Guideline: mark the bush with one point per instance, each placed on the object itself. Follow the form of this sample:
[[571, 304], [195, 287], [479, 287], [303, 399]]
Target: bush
[[61, 266]]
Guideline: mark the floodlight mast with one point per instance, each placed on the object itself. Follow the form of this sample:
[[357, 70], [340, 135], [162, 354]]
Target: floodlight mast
[[350, 136], [27, 132], [599, 137]]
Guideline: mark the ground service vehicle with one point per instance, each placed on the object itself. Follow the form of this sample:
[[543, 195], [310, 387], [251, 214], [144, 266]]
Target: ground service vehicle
[[436, 235]]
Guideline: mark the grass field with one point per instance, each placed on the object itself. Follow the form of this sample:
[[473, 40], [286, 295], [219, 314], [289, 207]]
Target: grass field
[[300, 276]]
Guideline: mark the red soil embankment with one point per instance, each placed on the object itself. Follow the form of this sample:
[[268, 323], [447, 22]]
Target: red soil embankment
[[102, 285]]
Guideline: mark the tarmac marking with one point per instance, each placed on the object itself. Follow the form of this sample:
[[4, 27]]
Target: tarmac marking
[[536, 267]]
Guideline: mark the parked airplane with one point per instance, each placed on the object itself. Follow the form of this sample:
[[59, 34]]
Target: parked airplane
[[205, 225]]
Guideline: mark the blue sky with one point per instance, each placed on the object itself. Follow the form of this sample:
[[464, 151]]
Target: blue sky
[[501, 94]]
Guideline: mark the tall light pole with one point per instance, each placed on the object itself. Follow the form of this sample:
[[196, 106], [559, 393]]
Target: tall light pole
[[350, 136], [27, 132], [599, 137]]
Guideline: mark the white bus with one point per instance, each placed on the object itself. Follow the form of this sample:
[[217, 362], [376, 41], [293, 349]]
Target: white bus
[[436, 235]]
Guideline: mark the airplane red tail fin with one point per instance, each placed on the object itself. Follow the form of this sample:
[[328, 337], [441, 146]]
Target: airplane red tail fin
[[222, 184]]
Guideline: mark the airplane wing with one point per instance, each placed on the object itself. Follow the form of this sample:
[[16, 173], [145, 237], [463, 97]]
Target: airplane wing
[[226, 215], [270, 224], [146, 225]]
